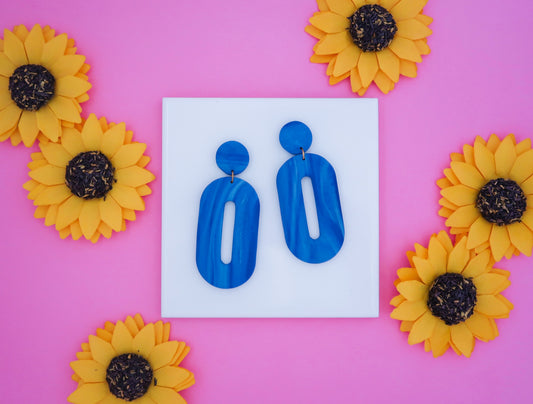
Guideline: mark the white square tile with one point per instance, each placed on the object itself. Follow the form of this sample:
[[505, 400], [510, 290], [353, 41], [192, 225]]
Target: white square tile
[[345, 132]]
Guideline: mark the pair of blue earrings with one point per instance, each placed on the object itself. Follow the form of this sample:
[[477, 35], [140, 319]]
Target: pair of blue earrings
[[232, 158]]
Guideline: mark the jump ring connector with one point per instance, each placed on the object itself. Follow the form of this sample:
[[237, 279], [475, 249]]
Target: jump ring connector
[[303, 153], [232, 176]]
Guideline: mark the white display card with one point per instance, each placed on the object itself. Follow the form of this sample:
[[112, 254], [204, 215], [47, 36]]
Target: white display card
[[345, 132]]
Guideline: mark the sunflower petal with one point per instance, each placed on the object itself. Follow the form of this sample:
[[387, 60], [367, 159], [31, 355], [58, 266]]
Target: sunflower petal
[[128, 155], [505, 157], [111, 399], [65, 109], [56, 154], [521, 237], [499, 241], [9, 118], [490, 283], [491, 306], [126, 197], [409, 310], [52, 195], [34, 44], [407, 9], [346, 60], [6, 66], [462, 338], [133, 176], [14, 49], [89, 217], [54, 49], [48, 123], [28, 127], [333, 43], [330, 22], [522, 167], [342, 7], [425, 270], [91, 133], [459, 257], [405, 49], [479, 232], [122, 339], [460, 195], [422, 328], [413, 29], [368, 67], [437, 255], [165, 395], [101, 350], [355, 80], [412, 290], [68, 212], [89, 393], [111, 213], [389, 64], [48, 175], [71, 141], [162, 354], [464, 216], [144, 341], [113, 139], [440, 339], [468, 175], [170, 376], [481, 327], [71, 86], [90, 371], [477, 265], [67, 65]]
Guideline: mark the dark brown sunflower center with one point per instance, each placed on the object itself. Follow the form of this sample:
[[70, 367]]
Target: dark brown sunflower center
[[501, 201], [90, 175], [452, 298], [31, 87], [129, 376], [372, 28]]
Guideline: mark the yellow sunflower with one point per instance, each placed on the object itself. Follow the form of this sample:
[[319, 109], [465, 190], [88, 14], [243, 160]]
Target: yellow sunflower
[[42, 83], [450, 296], [131, 361], [370, 40], [487, 194], [91, 182]]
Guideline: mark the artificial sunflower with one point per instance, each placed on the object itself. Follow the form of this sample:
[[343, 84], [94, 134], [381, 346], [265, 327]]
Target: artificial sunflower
[[42, 83], [450, 296], [370, 40], [487, 194], [131, 361], [91, 181]]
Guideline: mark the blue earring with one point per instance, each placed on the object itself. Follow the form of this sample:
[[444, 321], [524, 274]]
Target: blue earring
[[296, 138], [232, 158]]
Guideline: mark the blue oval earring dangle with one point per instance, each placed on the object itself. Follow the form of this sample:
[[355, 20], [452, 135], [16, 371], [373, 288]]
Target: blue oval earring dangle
[[232, 158], [296, 138]]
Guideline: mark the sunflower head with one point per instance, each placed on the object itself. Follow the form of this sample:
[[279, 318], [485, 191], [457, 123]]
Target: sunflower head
[[449, 296], [370, 40], [131, 361], [487, 195], [42, 83], [91, 181]]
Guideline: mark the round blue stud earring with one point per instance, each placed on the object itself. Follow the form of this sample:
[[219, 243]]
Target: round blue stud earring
[[296, 138], [232, 158]]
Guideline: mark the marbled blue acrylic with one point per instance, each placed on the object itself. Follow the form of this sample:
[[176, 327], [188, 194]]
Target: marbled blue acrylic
[[295, 137], [231, 157]]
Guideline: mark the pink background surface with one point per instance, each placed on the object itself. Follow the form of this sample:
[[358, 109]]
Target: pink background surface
[[54, 293]]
